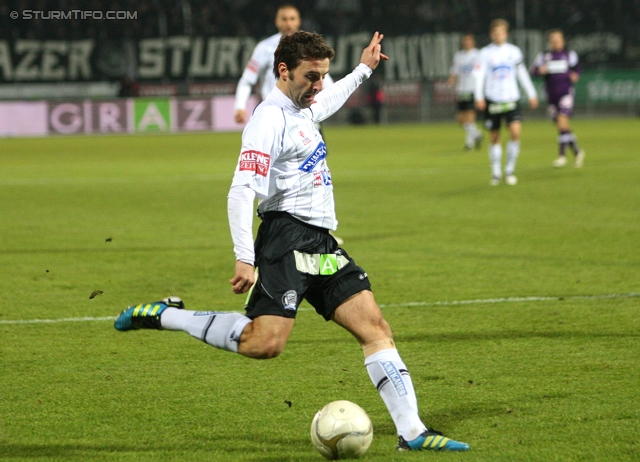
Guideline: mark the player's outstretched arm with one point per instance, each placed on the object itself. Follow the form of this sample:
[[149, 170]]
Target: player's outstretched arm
[[372, 55]]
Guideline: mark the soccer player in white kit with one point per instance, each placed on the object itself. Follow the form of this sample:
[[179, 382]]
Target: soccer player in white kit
[[260, 66], [283, 163], [462, 76], [499, 69]]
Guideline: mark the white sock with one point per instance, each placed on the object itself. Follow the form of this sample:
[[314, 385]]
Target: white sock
[[513, 150], [218, 329], [389, 374], [471, 130], [495, 156]]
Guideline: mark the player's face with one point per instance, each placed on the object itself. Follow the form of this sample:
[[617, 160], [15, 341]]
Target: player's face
[[556, 41], [288, 21], [468, 42], [304, 83], [499, 35]]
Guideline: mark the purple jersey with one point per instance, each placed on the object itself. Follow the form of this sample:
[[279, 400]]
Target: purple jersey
[[560, 64]]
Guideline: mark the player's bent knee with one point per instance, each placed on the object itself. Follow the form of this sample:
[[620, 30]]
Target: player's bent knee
[[261, 349]]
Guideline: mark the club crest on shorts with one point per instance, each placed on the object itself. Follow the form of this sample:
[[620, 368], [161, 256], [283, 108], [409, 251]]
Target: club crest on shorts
[[289, 300]]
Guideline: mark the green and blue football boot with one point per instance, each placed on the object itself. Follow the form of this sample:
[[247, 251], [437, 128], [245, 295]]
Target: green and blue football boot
[[146, 315], [431, 440]]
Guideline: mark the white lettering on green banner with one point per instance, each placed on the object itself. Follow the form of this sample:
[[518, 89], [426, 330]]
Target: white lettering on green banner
[[324, 264]]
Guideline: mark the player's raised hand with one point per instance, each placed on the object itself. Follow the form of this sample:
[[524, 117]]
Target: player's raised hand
[[372, 55]]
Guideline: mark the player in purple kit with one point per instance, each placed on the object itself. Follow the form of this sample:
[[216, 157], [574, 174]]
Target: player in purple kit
[[561, 71]]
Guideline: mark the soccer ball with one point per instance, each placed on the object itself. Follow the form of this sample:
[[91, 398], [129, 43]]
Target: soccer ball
[[341, 430]]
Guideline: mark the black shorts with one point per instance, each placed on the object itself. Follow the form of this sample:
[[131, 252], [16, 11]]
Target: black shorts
[[465, 102], [495, 112], [297, 261]]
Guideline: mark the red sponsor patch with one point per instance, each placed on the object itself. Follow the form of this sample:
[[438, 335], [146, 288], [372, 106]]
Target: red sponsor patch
[[317, 178], [255, 161], [253, 66]]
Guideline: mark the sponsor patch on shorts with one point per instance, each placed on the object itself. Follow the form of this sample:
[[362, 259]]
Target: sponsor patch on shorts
[[324, 264]]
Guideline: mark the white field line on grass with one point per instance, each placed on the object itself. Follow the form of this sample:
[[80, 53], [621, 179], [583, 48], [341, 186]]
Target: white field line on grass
[[391, 305], [72, 181]]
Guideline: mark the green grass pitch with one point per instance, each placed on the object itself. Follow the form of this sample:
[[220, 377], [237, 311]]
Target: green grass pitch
[[544, 365]]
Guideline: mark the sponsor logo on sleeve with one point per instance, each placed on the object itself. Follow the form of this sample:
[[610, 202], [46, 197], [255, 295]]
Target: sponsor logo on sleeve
[[318, 154], [253, 66], [255, 161]]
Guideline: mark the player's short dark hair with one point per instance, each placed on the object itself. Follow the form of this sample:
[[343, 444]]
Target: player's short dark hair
[[499, 23], [300, 46]]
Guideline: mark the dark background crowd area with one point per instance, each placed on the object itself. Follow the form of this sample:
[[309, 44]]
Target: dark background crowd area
[[158, 18]]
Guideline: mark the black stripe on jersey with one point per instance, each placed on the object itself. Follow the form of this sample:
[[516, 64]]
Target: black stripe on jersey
[[206, 329]]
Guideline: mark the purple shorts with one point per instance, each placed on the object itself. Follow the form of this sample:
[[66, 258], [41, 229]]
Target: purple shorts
[[561, 105]]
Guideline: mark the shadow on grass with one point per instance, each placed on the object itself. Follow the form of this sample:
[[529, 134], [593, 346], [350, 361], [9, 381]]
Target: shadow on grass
[[23, 451], [265, 450], [423, 337]]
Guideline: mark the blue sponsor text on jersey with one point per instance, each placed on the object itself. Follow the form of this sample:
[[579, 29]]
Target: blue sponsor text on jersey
[[319, 153]]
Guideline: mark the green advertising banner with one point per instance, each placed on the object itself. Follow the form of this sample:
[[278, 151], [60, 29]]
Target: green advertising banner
[[608, 87], [601, 87], [152, 114]]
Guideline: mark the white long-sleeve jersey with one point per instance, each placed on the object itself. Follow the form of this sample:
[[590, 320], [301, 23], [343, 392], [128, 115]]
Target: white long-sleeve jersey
[[498, 70], [260, 68], [283, 162], [463, 68]]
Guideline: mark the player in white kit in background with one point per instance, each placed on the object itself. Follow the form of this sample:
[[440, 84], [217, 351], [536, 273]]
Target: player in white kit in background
[[499, 69], [259, 69], [462, 76], [283, 163]]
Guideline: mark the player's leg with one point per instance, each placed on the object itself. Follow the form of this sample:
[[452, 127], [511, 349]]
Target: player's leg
[[361, 316], [261, 338], [492, 122], [219, 329], [495, 154], [561, 160], [562, 124], [566, 136], [473, 134], [513, 146], [460, 118]]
